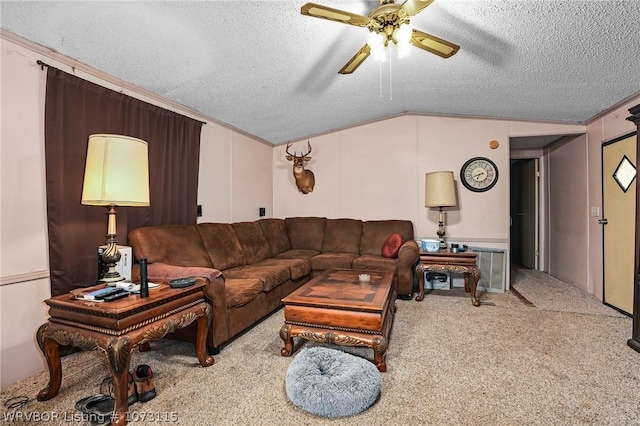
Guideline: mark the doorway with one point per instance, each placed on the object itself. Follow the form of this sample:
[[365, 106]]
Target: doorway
[[524, 208]]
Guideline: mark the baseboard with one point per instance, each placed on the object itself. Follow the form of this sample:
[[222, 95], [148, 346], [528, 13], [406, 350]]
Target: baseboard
[[634, 344]]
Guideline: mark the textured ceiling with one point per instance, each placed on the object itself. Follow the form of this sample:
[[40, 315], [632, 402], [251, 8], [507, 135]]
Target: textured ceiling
[[267, 70]]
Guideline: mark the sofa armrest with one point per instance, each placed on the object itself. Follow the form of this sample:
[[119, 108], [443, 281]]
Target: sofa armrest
[[159, 271], [407, 257], [163, 272], [214, 291]]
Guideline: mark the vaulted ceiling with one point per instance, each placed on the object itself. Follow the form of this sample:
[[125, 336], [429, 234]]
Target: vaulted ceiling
[[264, 68]]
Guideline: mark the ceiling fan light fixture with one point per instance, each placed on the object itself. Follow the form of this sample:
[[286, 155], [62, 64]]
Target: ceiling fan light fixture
[[403, 50], [403, 34], [377, 43]]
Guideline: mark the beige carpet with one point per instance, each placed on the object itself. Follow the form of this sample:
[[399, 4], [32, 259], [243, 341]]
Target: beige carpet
[[449, 363], [550, 294]]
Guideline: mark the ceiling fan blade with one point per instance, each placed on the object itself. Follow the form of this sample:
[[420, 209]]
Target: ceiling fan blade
[[337, 15], [357, 59], [434, 44], [413, 7]]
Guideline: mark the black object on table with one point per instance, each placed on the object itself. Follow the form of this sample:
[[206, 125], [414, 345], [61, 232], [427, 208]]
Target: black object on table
[[144, 281]]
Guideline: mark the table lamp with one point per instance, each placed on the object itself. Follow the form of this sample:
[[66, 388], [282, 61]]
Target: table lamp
[[440, 191], [116, 174]]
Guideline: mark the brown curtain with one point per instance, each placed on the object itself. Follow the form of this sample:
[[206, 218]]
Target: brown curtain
[[75, 109]]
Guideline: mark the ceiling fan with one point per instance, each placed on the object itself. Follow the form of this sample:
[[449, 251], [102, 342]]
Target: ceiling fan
[[387, 22]]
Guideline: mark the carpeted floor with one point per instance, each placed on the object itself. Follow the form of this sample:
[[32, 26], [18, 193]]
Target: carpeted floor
[[550, 294], [449, 363]]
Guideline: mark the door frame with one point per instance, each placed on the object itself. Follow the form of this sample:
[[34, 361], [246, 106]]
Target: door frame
[[634, 341], [543, 212]]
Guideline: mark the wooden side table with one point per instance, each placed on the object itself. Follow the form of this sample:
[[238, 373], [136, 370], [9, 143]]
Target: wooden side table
[[446, 261], [116, 328]]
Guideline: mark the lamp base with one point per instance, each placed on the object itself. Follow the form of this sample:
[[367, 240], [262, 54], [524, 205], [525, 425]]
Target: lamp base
[[441, 232], [111, 254], [112, 279]]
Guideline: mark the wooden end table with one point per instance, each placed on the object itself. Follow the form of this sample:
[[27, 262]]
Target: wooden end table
[[117, 327], [335, 307], [446, 261]]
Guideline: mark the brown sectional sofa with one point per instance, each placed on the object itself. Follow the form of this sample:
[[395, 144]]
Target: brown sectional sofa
[[263, 261]]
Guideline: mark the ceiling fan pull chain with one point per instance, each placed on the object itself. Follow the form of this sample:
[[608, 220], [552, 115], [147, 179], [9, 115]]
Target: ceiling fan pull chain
[[390, 79], [380, 76]]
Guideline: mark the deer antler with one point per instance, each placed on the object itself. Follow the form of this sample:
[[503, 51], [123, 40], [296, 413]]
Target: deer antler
[[308, 152], [287, 149], [296, 154]]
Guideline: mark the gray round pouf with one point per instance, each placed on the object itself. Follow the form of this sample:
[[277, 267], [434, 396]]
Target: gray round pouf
[[331, 383]]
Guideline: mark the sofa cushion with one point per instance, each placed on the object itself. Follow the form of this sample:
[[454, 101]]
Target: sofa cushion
[[253, 242], [306, 232], [342, 236], [178, 245], [375, 263], [375, 232], [298, 268], [391, 246], [240, 291], [275, 230], [222, 244], [298, 254], [271, 276], [331, 260]]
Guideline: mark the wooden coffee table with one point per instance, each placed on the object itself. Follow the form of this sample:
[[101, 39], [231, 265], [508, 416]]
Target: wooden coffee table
[[335, 307], [116, 328]]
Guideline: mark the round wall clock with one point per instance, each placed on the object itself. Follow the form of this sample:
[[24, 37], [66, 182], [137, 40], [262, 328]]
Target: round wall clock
[[479, 174]]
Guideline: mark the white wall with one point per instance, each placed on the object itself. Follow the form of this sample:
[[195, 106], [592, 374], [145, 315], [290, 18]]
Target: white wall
[[235, 177], [214, 184], [251, 178], [234, 180], [568, 201], [24, 265], [376, 171]]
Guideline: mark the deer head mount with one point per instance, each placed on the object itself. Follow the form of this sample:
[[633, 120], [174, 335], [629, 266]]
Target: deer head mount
[[305, 180]]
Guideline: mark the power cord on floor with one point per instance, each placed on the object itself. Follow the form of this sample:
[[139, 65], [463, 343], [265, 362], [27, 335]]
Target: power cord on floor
[[16, 402]]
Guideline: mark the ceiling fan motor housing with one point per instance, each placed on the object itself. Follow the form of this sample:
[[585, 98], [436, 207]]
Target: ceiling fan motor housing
[[386, 19]]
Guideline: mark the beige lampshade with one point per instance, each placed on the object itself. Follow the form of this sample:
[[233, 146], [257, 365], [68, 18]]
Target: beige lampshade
[[439, 190], [116, 172]]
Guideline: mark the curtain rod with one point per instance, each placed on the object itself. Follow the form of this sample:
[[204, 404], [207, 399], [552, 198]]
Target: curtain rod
[[43, 64]]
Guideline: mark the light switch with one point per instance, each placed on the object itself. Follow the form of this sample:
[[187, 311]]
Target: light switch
[[595, 211]]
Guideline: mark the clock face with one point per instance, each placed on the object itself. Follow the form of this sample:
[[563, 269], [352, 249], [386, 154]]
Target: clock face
[[479, 174]]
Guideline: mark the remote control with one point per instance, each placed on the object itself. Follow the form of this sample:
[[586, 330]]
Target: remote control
[[116, 296], [98, 294], [182, 282], [103, 294]]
